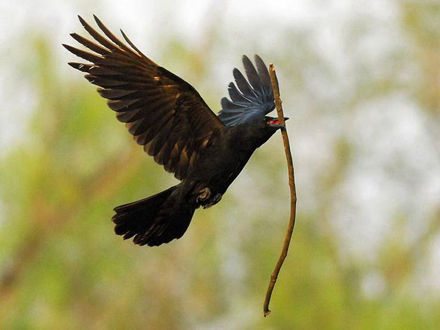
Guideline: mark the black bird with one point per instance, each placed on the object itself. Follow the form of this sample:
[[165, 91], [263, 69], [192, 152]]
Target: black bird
[[168, 117]]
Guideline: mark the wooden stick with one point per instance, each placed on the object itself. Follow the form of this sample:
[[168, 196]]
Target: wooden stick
[[276, 271]]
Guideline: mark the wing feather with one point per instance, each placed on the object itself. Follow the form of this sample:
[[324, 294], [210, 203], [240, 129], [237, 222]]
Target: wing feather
[[251, 99], [163, 112]]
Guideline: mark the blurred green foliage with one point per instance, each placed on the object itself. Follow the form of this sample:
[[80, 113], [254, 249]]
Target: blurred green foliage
[[61, 266]]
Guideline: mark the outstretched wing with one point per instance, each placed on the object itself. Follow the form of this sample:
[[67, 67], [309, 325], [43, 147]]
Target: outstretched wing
[[251, 100], [163, 112]]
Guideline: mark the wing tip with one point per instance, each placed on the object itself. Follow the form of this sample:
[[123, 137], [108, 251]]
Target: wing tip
[[80, 66], [68, 47], [259, 59], [82, 20], [237, 73], [100, 24]]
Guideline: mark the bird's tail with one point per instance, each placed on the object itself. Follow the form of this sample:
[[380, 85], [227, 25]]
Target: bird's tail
[[153, 220]]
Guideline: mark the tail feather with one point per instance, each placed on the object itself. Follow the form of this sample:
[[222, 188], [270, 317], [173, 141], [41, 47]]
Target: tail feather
[[153, 220]]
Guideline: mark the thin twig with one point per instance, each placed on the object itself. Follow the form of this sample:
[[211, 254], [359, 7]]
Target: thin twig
[[276, 271]]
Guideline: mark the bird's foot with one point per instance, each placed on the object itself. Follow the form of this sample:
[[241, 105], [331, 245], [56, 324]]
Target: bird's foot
[[204, 195], [205, 198], [213, 201]]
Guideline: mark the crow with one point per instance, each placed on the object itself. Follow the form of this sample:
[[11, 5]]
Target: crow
[[169, 118]]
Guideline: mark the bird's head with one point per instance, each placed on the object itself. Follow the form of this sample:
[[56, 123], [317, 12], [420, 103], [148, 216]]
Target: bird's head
[[264, 129]]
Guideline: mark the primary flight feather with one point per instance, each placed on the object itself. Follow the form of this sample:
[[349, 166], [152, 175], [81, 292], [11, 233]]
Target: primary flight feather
[[169, 118]]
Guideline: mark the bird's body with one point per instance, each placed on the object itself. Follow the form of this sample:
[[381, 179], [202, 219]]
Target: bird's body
[[171, 121], [225, 156]]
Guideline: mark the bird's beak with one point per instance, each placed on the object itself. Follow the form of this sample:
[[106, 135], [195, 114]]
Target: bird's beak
[[275, 123]]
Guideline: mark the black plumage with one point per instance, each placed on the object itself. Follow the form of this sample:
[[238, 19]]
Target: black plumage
[[168, 117]]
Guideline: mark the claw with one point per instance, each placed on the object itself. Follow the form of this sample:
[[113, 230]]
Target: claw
[[213, 201], [204, 194], [217, 198]]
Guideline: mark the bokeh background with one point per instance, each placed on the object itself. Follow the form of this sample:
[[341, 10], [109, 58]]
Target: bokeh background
[[361, 83]]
